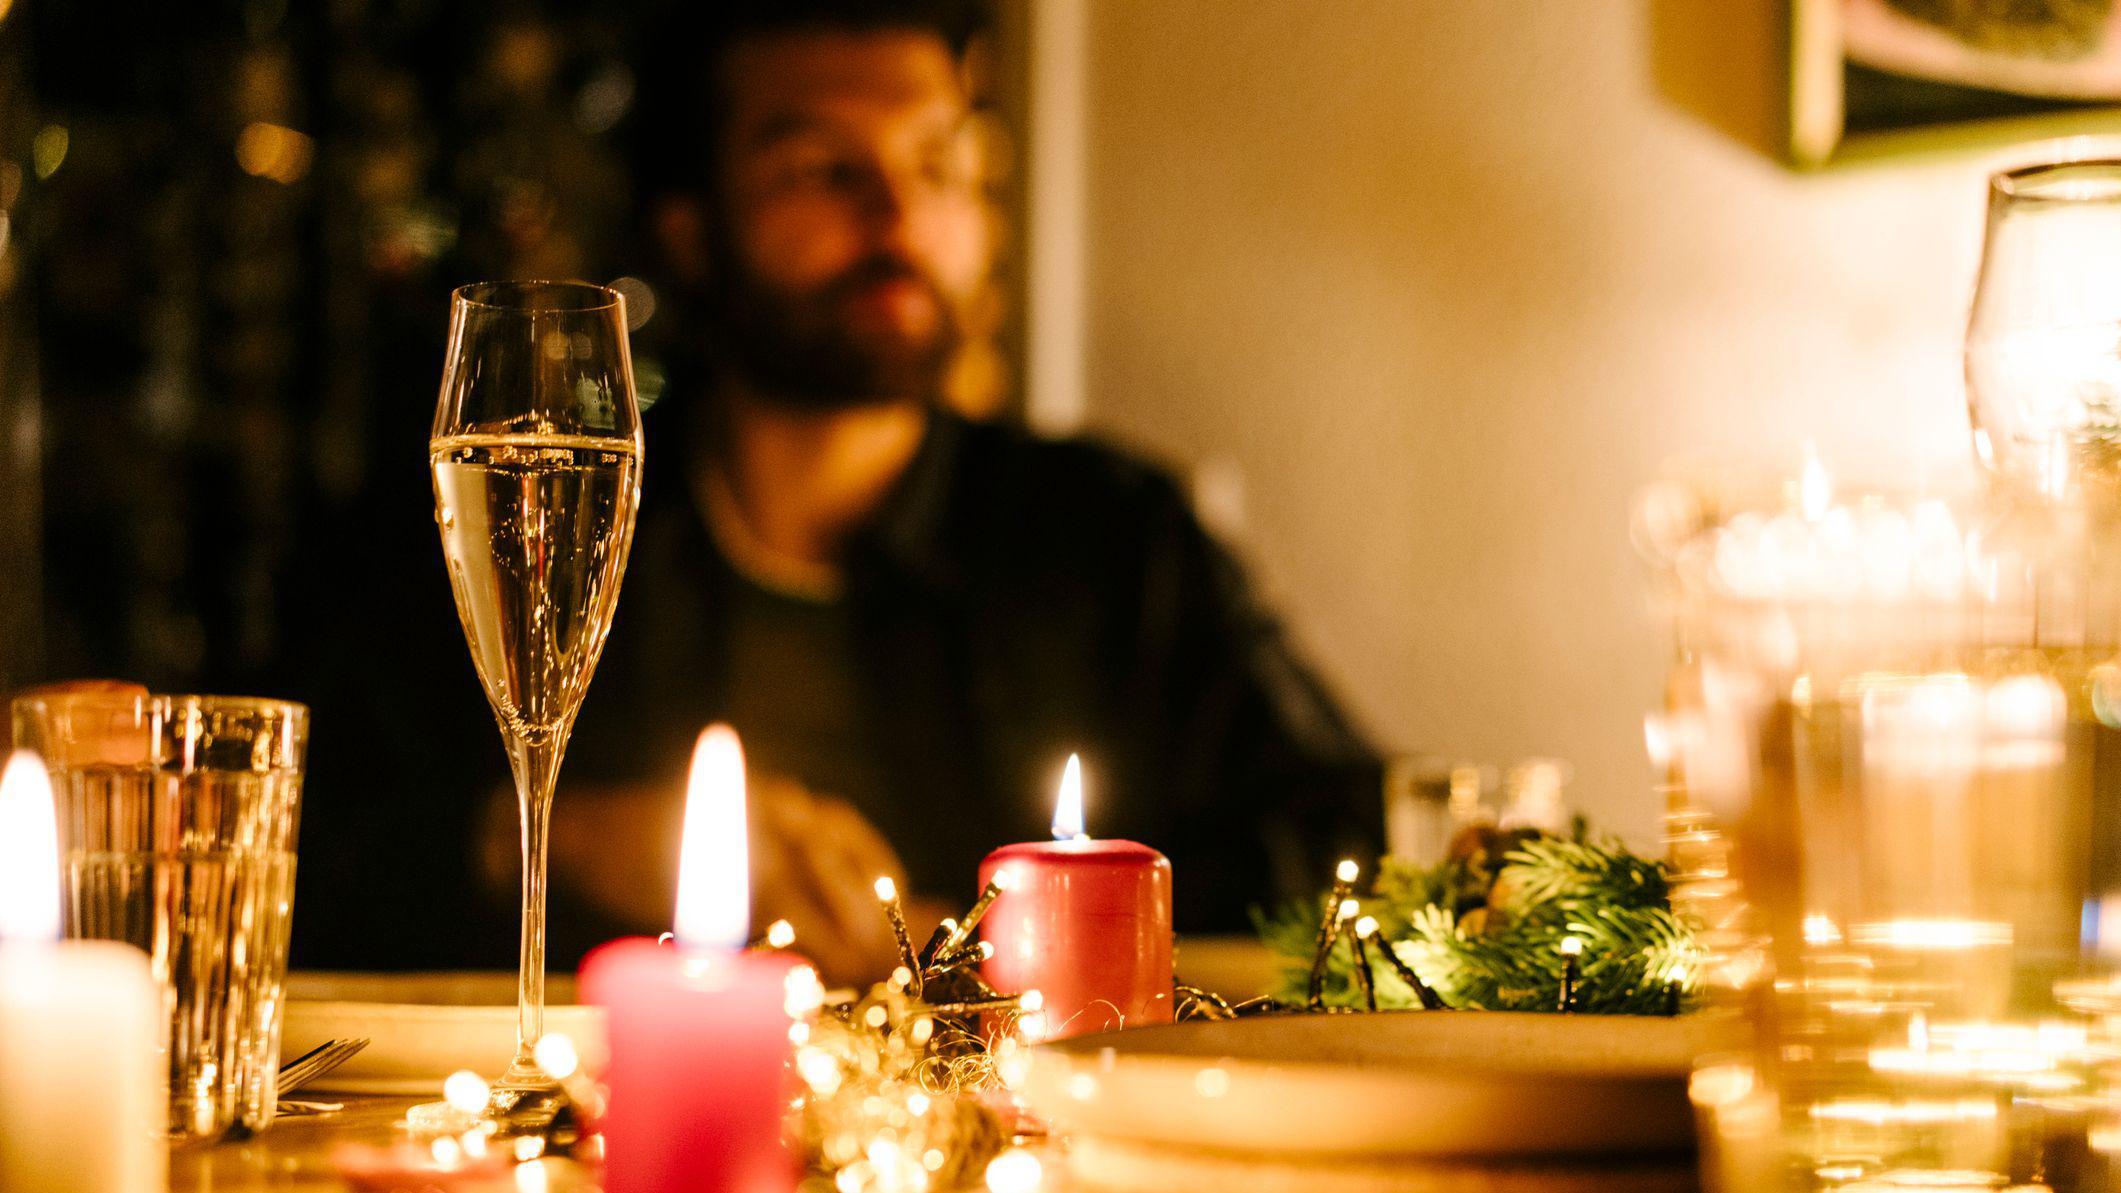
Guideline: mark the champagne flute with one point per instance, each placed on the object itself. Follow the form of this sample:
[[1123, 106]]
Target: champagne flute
[[536, 452]]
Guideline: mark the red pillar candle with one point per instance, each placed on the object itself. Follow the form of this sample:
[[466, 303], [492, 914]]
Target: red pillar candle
[[1086, 923], [699, 1029]]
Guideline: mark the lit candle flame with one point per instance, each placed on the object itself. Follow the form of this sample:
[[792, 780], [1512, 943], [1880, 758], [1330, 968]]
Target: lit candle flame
[[29, 852], [1657, 740], [1815, 489], [714, 866], [1068, 810]]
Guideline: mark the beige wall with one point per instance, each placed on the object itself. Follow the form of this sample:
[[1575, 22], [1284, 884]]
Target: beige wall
[[1444, 282]]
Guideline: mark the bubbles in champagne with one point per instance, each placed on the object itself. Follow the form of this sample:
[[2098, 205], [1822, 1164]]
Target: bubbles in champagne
[[536, 530]]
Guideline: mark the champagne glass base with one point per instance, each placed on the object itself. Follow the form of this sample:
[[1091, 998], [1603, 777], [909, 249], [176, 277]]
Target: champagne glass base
[[524, 1110], [509, 1114]]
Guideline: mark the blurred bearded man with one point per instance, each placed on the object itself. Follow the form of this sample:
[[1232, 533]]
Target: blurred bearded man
[[911, 618]]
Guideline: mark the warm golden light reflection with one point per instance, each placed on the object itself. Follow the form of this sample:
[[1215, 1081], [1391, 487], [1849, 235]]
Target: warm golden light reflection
[[1720, 1085], [1068, 824], [2006, 1052], [29, 852], [47, 150], [1820, 930], [1014, 1171], [274, 152], [1878, 1112], [1933, 934], [1815, 489], [555, 1053], [818, 1069], [802, 992], [714, 869], [1211, 1082], [465, 1091]]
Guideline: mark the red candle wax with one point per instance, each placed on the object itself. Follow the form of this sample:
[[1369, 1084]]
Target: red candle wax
[[699, 1031], [699, 1077], [1087, 924]]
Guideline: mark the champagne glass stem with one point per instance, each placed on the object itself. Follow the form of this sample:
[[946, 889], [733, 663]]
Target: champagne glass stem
[[536, 762]]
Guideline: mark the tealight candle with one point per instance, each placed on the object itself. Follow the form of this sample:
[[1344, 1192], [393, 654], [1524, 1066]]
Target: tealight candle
[[83, 1108], [700, 1030], [1086, 923]]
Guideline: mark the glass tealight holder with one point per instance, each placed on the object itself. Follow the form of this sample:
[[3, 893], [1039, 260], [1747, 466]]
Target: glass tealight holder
[[1894, 799]]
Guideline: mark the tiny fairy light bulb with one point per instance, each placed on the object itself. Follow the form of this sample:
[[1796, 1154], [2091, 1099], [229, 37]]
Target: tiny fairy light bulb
[[908, 974], [1344, 876], [1365, 978], [1348, 908], [29, 862], [1068, 809], [714, 872], [780, 934], [1572, 971]]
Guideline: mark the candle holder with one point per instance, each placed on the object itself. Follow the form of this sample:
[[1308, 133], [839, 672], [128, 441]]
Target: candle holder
[[1885, 736]]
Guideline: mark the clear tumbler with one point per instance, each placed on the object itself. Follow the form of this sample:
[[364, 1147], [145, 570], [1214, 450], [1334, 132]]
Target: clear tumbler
[[177, 822]]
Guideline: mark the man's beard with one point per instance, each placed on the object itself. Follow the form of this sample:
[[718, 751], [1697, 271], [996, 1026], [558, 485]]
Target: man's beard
[[801, 351]]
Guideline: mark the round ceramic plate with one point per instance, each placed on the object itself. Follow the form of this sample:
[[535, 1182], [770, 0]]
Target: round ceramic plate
[[421, 1028], [1415, 1083]]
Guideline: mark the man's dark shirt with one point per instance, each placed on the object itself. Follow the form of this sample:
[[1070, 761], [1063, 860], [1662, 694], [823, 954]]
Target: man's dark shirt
[[1018, 599]]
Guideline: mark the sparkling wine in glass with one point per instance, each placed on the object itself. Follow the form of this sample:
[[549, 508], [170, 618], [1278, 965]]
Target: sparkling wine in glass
[[536, 452]]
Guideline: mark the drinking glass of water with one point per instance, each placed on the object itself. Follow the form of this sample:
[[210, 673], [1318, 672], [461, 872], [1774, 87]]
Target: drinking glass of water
[[177, 818]]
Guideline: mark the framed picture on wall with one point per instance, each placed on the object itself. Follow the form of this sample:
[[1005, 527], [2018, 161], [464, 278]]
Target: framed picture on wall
[[1873, 78]]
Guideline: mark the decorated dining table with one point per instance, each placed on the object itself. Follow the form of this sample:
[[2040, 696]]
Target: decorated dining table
[[1873, 950]]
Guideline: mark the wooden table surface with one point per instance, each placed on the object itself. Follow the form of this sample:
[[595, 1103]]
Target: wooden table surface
[[294, 1156], [291, 1156]]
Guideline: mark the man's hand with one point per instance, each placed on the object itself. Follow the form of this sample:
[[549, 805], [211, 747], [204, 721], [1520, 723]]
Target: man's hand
[[814, 863]]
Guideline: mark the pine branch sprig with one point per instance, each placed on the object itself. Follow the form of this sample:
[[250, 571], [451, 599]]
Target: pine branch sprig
[[1485, 932]]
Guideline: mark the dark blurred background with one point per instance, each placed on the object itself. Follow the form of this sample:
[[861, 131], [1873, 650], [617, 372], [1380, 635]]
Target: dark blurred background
[[232, 232], [1422, 292], [228, 233]]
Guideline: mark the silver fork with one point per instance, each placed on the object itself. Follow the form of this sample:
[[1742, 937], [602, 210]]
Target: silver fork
[[314, 1064]]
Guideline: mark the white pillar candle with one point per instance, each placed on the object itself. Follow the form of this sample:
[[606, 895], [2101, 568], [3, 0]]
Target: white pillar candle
[[83, 1108]]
